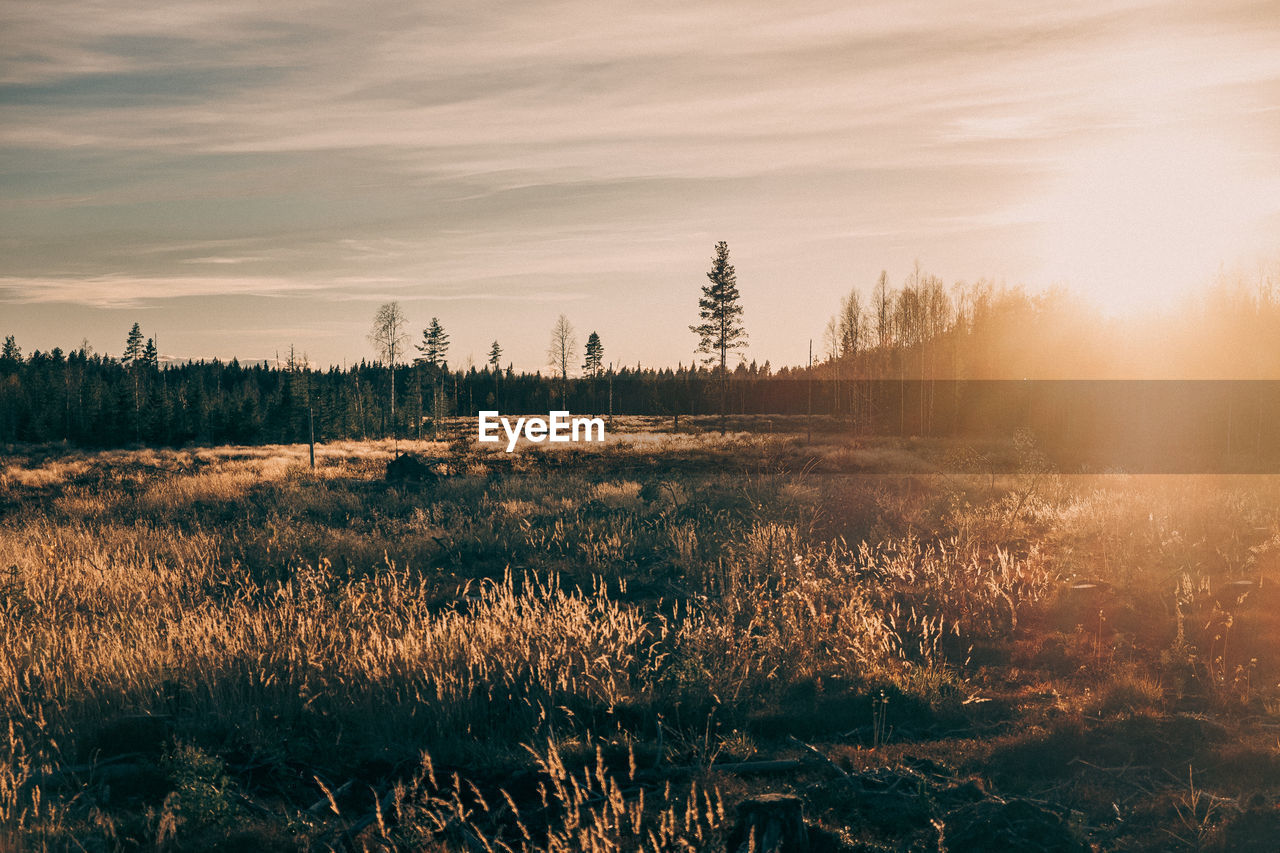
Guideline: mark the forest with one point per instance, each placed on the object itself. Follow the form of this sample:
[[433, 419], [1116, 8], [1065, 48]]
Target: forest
[[880, 356]]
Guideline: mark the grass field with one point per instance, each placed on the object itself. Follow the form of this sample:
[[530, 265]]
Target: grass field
[[609, 647]]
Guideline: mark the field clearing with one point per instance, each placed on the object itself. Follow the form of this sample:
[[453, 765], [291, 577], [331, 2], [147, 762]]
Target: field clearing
[[610, 646]]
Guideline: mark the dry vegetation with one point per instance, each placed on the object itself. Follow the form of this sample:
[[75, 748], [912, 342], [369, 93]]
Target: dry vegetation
[[608, 648]]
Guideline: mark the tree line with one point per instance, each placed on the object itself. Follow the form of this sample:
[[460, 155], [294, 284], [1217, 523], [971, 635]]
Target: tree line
[[95, 400], [916, 335]]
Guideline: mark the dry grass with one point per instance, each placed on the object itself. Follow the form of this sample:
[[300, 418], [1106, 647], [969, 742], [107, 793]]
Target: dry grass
[[564, 621]]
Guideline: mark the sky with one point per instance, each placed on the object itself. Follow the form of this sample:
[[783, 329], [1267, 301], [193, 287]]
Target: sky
[[242, 177]]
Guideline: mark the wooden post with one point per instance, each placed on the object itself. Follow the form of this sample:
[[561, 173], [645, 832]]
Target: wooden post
[[395, 431], [311, 429], [835, 411], [809, 417]]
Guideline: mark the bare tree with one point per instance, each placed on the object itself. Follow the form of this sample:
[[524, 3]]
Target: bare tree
[[562, 352], [908, 320], [882, 306], [389, 340], [906, 325], [853, 329], [831, 339], [937, 312]]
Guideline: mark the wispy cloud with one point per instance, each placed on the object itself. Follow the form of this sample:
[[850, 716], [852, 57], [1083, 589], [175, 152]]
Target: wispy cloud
[[123, 290], [555, 150], [222, 260]]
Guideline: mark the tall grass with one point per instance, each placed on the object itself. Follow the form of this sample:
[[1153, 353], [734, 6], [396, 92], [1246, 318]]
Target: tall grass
[[324, 620]]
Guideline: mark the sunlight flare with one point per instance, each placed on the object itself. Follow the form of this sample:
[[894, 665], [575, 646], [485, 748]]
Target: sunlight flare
[[1150, 217]]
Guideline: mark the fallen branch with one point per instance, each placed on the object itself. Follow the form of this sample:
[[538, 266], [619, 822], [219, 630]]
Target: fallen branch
[[773, 766], [346, 839], [329, 799], [1117, 770], [824, 758]]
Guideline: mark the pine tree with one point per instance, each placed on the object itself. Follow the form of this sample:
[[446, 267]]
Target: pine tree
[[434, 346], [11, 354], [495, 367], [132, 346], [594, 355], [432, 352], [721, 328], [132, 359], [150, 355]]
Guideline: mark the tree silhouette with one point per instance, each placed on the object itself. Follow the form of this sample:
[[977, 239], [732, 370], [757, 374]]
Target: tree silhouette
[[132, 346], [495, 356], [593, 361], [435, 345], [132, 359], [721, 328], [882, 308], [852, 325], [11, 354]]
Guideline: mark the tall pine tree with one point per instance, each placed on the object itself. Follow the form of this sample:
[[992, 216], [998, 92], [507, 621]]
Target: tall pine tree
[[10, 354], [132, 359], [132, 346], [434, 346], [593, 355], [721, 329]]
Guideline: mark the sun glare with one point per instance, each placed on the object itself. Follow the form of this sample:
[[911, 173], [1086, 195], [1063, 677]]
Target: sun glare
[[1137, 222]]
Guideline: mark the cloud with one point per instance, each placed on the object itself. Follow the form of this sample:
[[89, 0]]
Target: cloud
[[559, 77], [121, 290], [562, 150], [214, 259]]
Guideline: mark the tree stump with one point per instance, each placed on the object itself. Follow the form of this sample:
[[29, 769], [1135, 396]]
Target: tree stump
[[408, 469], [771, 823]]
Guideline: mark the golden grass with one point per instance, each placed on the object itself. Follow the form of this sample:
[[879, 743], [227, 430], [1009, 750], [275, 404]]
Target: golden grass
[[247, 599]]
